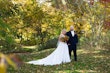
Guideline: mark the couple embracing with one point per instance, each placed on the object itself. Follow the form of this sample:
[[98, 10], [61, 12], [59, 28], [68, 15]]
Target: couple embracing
[[62, 54]]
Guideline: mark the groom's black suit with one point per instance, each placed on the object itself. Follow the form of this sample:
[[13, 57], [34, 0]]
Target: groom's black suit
[[72, 44]]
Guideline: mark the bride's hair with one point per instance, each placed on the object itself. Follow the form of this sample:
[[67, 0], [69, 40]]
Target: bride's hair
[[64, 30]]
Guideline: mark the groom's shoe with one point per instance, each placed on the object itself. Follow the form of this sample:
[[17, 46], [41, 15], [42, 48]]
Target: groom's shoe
[[75, 60]]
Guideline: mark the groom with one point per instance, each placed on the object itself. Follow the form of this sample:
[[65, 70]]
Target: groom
[[72, 42]]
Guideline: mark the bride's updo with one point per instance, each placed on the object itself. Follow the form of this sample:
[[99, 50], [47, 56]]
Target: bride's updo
[[63, 31]]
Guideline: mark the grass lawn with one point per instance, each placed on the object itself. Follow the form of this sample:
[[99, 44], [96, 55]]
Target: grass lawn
[[89, 61]]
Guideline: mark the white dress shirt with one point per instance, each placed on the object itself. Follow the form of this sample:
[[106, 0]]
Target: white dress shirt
[[72, 32]]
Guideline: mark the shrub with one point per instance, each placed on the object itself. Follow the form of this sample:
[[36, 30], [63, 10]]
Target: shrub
[[52, 43], [30, 42]]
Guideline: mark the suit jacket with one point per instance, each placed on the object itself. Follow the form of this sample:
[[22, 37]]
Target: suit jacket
[[72, 40]]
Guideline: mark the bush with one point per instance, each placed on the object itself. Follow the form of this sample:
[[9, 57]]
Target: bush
[[12, 48], [30, 42], [49, 44], [102, 41], [106, 41]]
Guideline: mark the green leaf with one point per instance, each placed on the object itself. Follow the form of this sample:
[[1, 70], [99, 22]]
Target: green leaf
[[2, 33], [2, 24], [9, 39]]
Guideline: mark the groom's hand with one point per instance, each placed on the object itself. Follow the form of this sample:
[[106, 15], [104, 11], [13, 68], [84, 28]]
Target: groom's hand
[[69, 44]]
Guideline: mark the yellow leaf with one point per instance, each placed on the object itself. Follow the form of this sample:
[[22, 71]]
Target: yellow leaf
[[8, 60], [2, 68]]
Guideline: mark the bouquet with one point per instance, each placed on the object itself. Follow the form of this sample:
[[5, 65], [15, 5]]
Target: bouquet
[[64, 39]]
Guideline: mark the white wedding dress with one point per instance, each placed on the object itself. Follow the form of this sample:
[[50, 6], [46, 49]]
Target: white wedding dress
[[58, 56]]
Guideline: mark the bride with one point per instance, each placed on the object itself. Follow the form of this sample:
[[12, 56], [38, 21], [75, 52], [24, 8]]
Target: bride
[[59, 56]]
